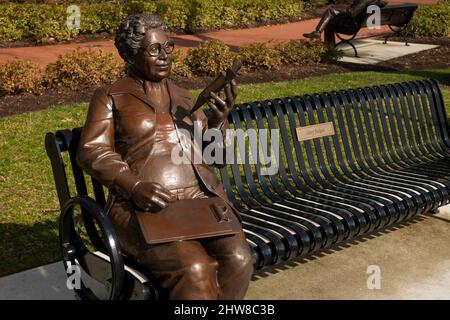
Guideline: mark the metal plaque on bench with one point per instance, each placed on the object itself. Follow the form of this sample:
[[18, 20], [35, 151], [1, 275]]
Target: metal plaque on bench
[[315, 131]]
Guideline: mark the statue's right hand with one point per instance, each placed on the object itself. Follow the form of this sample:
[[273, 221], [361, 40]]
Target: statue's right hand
[[150, 196]]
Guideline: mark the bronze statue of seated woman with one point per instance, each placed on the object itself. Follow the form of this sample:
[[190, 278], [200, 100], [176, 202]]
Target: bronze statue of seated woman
[[127, 144]]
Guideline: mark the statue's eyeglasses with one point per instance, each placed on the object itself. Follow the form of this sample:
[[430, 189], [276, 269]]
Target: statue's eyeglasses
[[154, 49]]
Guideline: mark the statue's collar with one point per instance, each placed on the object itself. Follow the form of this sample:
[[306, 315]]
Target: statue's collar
[[134, 85]]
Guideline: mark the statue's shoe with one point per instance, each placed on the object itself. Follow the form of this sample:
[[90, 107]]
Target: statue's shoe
[[312, 35]]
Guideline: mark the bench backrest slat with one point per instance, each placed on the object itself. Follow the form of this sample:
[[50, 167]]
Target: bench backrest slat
[[374, 127], [395, 15]]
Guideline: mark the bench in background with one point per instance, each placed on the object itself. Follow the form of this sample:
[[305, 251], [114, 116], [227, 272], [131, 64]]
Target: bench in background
[[395, 16], [380, 156]]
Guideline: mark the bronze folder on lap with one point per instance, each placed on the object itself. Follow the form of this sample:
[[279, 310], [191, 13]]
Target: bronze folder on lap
[[188, 219]]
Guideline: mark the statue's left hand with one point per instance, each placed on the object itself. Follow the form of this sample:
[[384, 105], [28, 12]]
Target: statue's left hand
[[221, 108]]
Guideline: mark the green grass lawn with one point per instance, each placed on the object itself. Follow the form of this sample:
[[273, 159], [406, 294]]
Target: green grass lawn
[[28, 203]]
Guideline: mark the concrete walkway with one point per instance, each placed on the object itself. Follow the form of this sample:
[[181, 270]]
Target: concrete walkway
[[234, 38], [413, 261], [376, 51]]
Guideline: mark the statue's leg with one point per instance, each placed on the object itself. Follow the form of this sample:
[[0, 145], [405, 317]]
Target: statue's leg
[[322, 25], [235, 264], [326, 18], [183, 267], [231, 252]]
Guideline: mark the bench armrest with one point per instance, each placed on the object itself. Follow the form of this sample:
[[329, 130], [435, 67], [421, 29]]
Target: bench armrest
[[107, 242]]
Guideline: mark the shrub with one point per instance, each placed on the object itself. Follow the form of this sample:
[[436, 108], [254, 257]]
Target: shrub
[[210, 57], [19, 77], [432, 21], [262, 10], [209, 14], [206, 14], [259, 56], [12, 24], [139, 6], [106, 16], [179, 64], [300, 52], [38, 22], [101, 17], [176, 13], [49, 22], [83, 68]]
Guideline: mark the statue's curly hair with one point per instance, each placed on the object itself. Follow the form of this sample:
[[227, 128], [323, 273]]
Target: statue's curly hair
[[131, 33]]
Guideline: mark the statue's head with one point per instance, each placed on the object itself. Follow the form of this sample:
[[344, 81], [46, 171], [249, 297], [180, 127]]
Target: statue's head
[[143, 41]]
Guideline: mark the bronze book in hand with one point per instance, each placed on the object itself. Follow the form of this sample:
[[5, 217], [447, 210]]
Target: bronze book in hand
[[218, 84]]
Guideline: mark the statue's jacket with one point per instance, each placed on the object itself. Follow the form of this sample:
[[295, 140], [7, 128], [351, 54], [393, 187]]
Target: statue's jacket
[[119, 134]]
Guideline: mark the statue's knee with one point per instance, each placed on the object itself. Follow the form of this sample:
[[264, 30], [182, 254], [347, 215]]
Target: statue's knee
[[200, 269], [242, 260], [248, 262]]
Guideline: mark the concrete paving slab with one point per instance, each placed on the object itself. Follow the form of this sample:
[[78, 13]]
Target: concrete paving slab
[[414, 262], [374, 51], [43, 283]]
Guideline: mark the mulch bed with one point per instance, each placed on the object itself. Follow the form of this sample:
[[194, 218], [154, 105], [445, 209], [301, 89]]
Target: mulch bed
[[438, 58]]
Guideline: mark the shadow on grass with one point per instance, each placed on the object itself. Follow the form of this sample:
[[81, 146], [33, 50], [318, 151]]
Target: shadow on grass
[[357, 67], [441, 77], [27, 246]]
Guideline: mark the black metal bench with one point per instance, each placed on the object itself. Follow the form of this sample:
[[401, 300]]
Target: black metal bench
[[395, 16], [383, 157]]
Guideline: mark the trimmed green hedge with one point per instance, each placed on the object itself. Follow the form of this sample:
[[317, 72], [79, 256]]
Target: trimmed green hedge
[[41, 22], [223, 13], [431, 21]]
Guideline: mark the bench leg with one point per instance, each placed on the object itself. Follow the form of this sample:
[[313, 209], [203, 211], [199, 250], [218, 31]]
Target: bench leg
[[348, 41], [397, 31], [329, 37], [350, 44], [354, 49]]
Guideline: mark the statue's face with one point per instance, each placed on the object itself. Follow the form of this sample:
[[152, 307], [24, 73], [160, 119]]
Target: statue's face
[[154, 60]]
